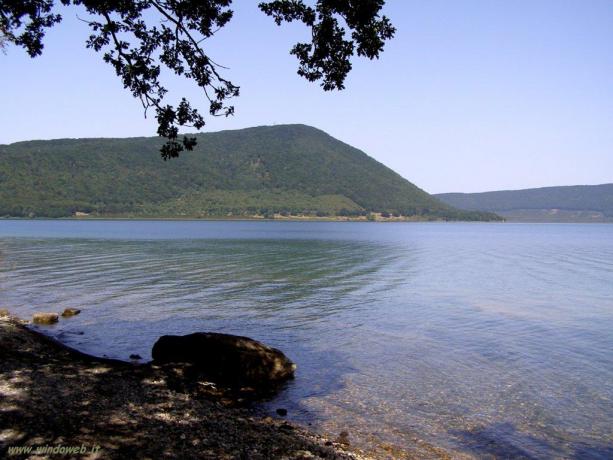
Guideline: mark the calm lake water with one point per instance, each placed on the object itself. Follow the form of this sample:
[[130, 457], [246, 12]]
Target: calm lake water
[[481, 339]]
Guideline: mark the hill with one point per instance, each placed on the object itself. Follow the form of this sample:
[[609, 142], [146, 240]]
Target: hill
[[286, 169], [576, 203]]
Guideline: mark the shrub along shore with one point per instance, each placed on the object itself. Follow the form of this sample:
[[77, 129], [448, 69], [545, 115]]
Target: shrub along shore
[[54, 397]]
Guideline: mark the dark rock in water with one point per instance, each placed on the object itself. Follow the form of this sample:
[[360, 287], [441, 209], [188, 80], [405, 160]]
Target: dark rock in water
[[135, 356], [226, 358], [70, 312], [282, 412], [44, 318], [4, 312]]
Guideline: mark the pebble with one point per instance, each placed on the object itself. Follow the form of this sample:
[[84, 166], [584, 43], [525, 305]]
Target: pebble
[[304, 454]]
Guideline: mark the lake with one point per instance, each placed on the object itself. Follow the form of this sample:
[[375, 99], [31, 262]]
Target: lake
[[478, 340]]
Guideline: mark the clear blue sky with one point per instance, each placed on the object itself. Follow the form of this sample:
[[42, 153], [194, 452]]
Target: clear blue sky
[[470, 95]]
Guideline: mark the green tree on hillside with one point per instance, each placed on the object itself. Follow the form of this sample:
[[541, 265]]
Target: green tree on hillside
[[140, 37]]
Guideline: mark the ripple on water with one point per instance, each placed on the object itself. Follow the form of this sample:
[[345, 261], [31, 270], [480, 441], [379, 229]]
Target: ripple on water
[[484, 340]]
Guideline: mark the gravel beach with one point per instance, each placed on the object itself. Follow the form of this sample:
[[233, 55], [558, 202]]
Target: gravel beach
[[54, 397]]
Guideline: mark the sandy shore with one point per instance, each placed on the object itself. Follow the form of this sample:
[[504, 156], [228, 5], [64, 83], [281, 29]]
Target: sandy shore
[[53, 397]]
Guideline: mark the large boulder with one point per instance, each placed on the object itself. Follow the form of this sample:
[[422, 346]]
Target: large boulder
[[225, 358]]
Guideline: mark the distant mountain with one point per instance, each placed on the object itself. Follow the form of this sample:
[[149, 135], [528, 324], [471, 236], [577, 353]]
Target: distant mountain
[[287, 169], [576, 203]]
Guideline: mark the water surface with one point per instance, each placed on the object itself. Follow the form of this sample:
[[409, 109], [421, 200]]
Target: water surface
[[479, 339]]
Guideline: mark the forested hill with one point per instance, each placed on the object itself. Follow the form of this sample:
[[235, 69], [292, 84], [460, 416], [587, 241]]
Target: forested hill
[[284, 170], [577, 203]]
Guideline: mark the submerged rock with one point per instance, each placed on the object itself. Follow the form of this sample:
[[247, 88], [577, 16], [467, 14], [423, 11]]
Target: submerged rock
[[343, 438], [135, 356], [225, 358], [70, 312], [45, 318]]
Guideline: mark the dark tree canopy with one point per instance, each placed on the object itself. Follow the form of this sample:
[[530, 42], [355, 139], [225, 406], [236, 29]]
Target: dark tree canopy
[[139, 37]]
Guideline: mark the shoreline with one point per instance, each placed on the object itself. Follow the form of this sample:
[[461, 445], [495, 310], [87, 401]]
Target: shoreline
[[247, 219], [294, 220], [54, 395]]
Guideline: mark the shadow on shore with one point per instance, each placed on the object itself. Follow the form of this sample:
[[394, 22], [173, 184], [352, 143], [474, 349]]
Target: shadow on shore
[[53, 395]]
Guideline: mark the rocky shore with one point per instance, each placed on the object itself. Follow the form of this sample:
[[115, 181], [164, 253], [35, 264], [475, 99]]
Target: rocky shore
[[54, 397]]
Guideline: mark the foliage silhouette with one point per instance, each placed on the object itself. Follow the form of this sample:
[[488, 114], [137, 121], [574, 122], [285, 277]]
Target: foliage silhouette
[[138, 38]]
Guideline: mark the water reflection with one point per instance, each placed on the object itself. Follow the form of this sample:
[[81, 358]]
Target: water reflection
[[260, 287], [484, 340]]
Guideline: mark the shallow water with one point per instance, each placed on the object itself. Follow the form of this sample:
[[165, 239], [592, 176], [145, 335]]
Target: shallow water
[[483, 339]]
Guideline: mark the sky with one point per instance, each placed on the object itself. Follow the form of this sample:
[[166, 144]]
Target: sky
[[469, 96]]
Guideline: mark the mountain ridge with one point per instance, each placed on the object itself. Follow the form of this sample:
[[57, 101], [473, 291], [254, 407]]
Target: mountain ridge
[[265, 170], [567, 203]]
